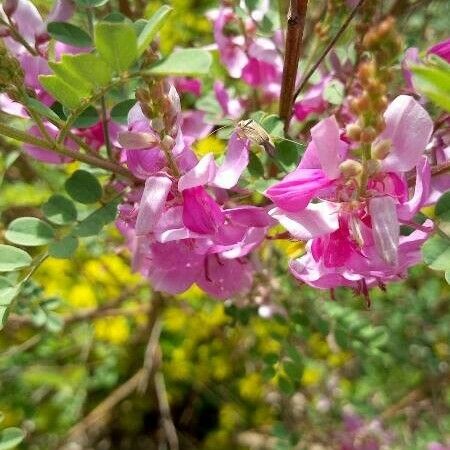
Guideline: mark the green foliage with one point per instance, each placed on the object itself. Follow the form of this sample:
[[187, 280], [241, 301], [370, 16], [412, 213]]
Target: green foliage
[[64, 248], [69, 34], [116, 44], [153, 25], [433, 80], [10, 438], [119, 113], [94, 223], [13, 258], [29, 231], [442, 212], [188, 62], [83, 187], [59, 210], [436, 253]]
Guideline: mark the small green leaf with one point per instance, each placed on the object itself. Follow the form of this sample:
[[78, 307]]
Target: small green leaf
[[442, 212], [54, 323], [13, 258], [29, 231], [65, 248], [436, 253], [188, 62], [117, 44], [153, 25], [94, 223], [273, 125], [434, 82], [83, 187], [69, 75], [334, 92], [62, 91], [87, 118], [255, 167], [69, 34], [60, 210], [119, 113], [11, 437], [91, 3], [288, 154], [7, 291], [41, 109]]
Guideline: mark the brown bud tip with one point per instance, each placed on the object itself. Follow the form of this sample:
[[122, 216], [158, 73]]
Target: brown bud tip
[[10, 6], [353, 131], [350, 168], [368, 135], [381, 149]]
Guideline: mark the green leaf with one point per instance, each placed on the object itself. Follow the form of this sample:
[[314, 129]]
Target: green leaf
[[442, 212], [187, 62], [41, 109], [54, 323], [68, 75], [69, 34], [60, 210], [83, 187], [255, 167], [117, 44], [63, 92], [11, 437], [434, 82], [436, 253], [153, 25], [91, 3], [334, 92], [288, 153], [29, 231], [94, 223], [7, 291], [87, 118], [91, 68], [119, 113], [13, 258], [65, 248], [273, 125]]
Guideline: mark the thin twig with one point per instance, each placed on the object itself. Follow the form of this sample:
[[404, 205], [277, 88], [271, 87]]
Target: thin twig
[[344, 26], [294, 36], [164, 409]]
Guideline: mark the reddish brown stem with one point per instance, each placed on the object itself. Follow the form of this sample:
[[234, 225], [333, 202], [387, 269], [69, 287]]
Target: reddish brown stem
[[294, 36]]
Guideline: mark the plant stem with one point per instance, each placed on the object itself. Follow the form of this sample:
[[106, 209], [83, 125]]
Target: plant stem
[[95, 161], [327, 49], [294, 35]]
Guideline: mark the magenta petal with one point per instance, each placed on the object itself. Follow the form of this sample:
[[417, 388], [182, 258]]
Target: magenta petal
[[297, 189], [408, 210], [409, 127], [326, 138], [249, 216], [315, 220], [201, 174], [385, 228], [441, 49], [152, 203], [224, 278], [201, 213], [236, 160]]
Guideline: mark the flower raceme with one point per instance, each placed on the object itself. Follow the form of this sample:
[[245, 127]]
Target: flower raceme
[[353, 230]]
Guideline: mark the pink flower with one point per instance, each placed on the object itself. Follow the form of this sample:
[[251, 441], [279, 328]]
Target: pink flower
[[313, 102], [357, 242], [441, 49]]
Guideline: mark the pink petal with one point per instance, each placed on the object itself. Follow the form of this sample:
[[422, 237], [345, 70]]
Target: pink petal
[[298, 188], [152, 203], [409, 127], [137, 141], [201, 213], [236, 160], [203, 173], [385, 228], [325, 136], [315, 220], [442, 49], [249, 216], [408, 210]]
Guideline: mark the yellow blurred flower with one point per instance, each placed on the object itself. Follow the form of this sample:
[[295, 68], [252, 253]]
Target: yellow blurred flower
[[209, 144], [250, 387], [311, 376], [112, 329]]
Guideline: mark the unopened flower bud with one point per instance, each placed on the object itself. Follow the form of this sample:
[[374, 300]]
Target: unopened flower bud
[[168, 143], [373, 166], [353, 131], [10, 6], [350, 168], [381, 149], [368, 135]]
